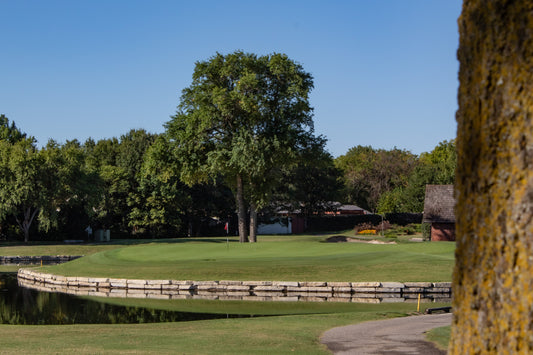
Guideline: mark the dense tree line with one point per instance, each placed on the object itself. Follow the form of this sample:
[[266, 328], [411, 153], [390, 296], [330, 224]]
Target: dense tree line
[[132, 185], [385, 181], [128, 185], [242, 140]]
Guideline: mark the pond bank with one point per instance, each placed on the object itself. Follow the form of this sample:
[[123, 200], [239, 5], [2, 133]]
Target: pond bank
[[364, 292]]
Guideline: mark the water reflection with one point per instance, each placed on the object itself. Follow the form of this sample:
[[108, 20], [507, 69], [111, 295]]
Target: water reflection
[[20, 305]]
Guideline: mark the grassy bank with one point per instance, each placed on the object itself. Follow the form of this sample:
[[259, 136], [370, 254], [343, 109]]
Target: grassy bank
[[294, 334], [301, 258]]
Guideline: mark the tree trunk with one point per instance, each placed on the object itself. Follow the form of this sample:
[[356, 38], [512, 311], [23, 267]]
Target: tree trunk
[[253, 223], [241, 211], [26, 222], [493, 277]]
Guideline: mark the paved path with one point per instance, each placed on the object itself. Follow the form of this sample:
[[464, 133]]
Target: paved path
[[386, 337]]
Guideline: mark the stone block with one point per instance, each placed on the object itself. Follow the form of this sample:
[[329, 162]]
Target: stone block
[[285, 299], [364, 289], [442, 284], [340, 284], [97, 280], [206, 283], [139, 284], [181, 282], [392, 285], [313, 284], [320, 289], [230, 283], [439, 290], [418, 284], [414, 290], [342, 289], [365, 300], [158, 282], [388, 290], [286, 283], [236, 288], [269, 294], [170, 288], [274, 288], [257, 283], [366, 284], [118, 283]]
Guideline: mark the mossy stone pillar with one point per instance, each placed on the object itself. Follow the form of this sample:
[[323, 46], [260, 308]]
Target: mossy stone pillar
[[493, 277]]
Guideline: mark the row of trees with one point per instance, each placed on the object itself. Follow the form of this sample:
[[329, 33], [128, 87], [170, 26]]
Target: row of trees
[[242, 140], [132, 184], [394, 180]]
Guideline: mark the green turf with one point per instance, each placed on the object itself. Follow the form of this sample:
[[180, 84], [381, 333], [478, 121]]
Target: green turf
[[301, 258], [440, 336], [60, 248], [296, 334], [296, 326]]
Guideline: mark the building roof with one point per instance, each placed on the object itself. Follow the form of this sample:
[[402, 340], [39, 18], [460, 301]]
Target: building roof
[[439, 204]]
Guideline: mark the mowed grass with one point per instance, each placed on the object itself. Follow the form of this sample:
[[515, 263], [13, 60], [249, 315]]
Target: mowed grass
[[299, 258], [291, 328], [294, 334], [440, 336]]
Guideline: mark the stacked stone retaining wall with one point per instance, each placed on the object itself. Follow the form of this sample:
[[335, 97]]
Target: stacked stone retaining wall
[[368, 292]]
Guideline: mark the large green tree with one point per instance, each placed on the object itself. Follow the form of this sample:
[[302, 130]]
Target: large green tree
[[244, 117], [26, 186]]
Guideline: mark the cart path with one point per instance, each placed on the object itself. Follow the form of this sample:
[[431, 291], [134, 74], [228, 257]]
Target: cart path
[[396, 336]]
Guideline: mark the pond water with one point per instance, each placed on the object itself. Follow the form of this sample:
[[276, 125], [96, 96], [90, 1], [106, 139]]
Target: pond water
[[20, 305]]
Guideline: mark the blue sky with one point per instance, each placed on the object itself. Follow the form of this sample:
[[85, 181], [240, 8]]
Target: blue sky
[[385, 71]]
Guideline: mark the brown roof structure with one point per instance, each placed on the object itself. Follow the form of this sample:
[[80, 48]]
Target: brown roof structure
[[439, 204]]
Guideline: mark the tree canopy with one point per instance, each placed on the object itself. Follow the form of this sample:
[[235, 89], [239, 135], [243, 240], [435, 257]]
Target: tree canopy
[[244, 117]]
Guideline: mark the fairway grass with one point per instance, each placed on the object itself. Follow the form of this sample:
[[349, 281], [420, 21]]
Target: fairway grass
[[301, 258], [294, 334]]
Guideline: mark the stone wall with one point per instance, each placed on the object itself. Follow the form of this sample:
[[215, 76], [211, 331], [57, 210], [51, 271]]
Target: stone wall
[[368, 292]]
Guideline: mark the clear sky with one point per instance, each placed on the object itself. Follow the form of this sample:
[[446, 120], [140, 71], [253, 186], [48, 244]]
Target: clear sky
[[385, 71]]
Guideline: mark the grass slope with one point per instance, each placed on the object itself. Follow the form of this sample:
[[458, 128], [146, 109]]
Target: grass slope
[[301, 258], [296, 334]]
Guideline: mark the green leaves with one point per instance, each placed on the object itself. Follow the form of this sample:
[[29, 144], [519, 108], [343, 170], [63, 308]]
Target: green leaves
[[243, 115]]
